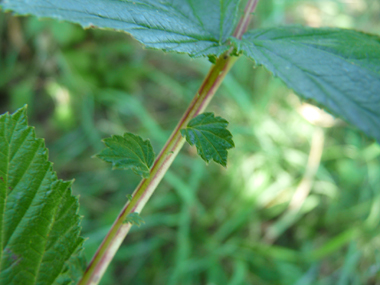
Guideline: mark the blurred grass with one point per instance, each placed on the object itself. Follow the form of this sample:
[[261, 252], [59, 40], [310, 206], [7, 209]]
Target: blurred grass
[[267, 218]]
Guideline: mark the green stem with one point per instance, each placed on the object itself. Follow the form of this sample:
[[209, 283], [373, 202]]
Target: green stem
[[145, 189]]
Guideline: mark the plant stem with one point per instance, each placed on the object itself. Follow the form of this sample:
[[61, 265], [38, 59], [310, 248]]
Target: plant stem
[[163, 161], [241, 28], [145, 189]]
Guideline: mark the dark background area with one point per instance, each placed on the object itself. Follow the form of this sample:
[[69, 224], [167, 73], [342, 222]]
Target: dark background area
[[270, 218]]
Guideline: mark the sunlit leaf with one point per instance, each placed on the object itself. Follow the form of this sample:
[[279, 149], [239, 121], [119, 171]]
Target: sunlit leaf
[[210, 136], [128, 152], [39, 223], [195, 27], [338, 68]]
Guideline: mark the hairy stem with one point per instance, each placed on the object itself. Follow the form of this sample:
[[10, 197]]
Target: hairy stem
[[145, 189]]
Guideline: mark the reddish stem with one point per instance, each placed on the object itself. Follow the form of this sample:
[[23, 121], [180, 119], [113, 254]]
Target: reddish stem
[[145, 189], [244, 21]]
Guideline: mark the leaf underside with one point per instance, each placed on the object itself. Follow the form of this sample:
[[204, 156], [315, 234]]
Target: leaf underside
[[39, 223], [338, 68], [196, 27], [210, 136], [128, 152]]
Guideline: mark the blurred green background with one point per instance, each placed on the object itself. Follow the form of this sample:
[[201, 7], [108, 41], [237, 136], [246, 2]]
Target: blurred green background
[[299, 202]]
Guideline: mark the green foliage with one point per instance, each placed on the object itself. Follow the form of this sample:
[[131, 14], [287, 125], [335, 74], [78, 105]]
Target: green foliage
[[204, 225], [198, 28], [210, 136], [338, 68], [128, 152], [316, 63], [39, 221], [134, 219]]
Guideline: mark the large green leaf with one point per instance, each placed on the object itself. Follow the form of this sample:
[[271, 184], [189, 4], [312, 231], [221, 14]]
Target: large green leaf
[[39, 223], [196, 27], [338, 68], [210, 136], [128, 152]]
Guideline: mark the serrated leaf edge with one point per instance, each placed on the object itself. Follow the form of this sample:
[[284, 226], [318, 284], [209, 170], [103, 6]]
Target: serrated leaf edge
[[22, 112], [146, 172], [201, 153]]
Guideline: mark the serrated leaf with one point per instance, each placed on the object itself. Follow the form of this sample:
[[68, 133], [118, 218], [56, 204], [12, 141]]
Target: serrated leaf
[[128, 152], [39, 223], [210, 136], [338, 68], [196, 27]]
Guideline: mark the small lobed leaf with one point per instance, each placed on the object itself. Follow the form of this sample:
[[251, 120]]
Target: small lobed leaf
[[199, 27], [128, 152], [210, 136], [338, 68], [39, 223]]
